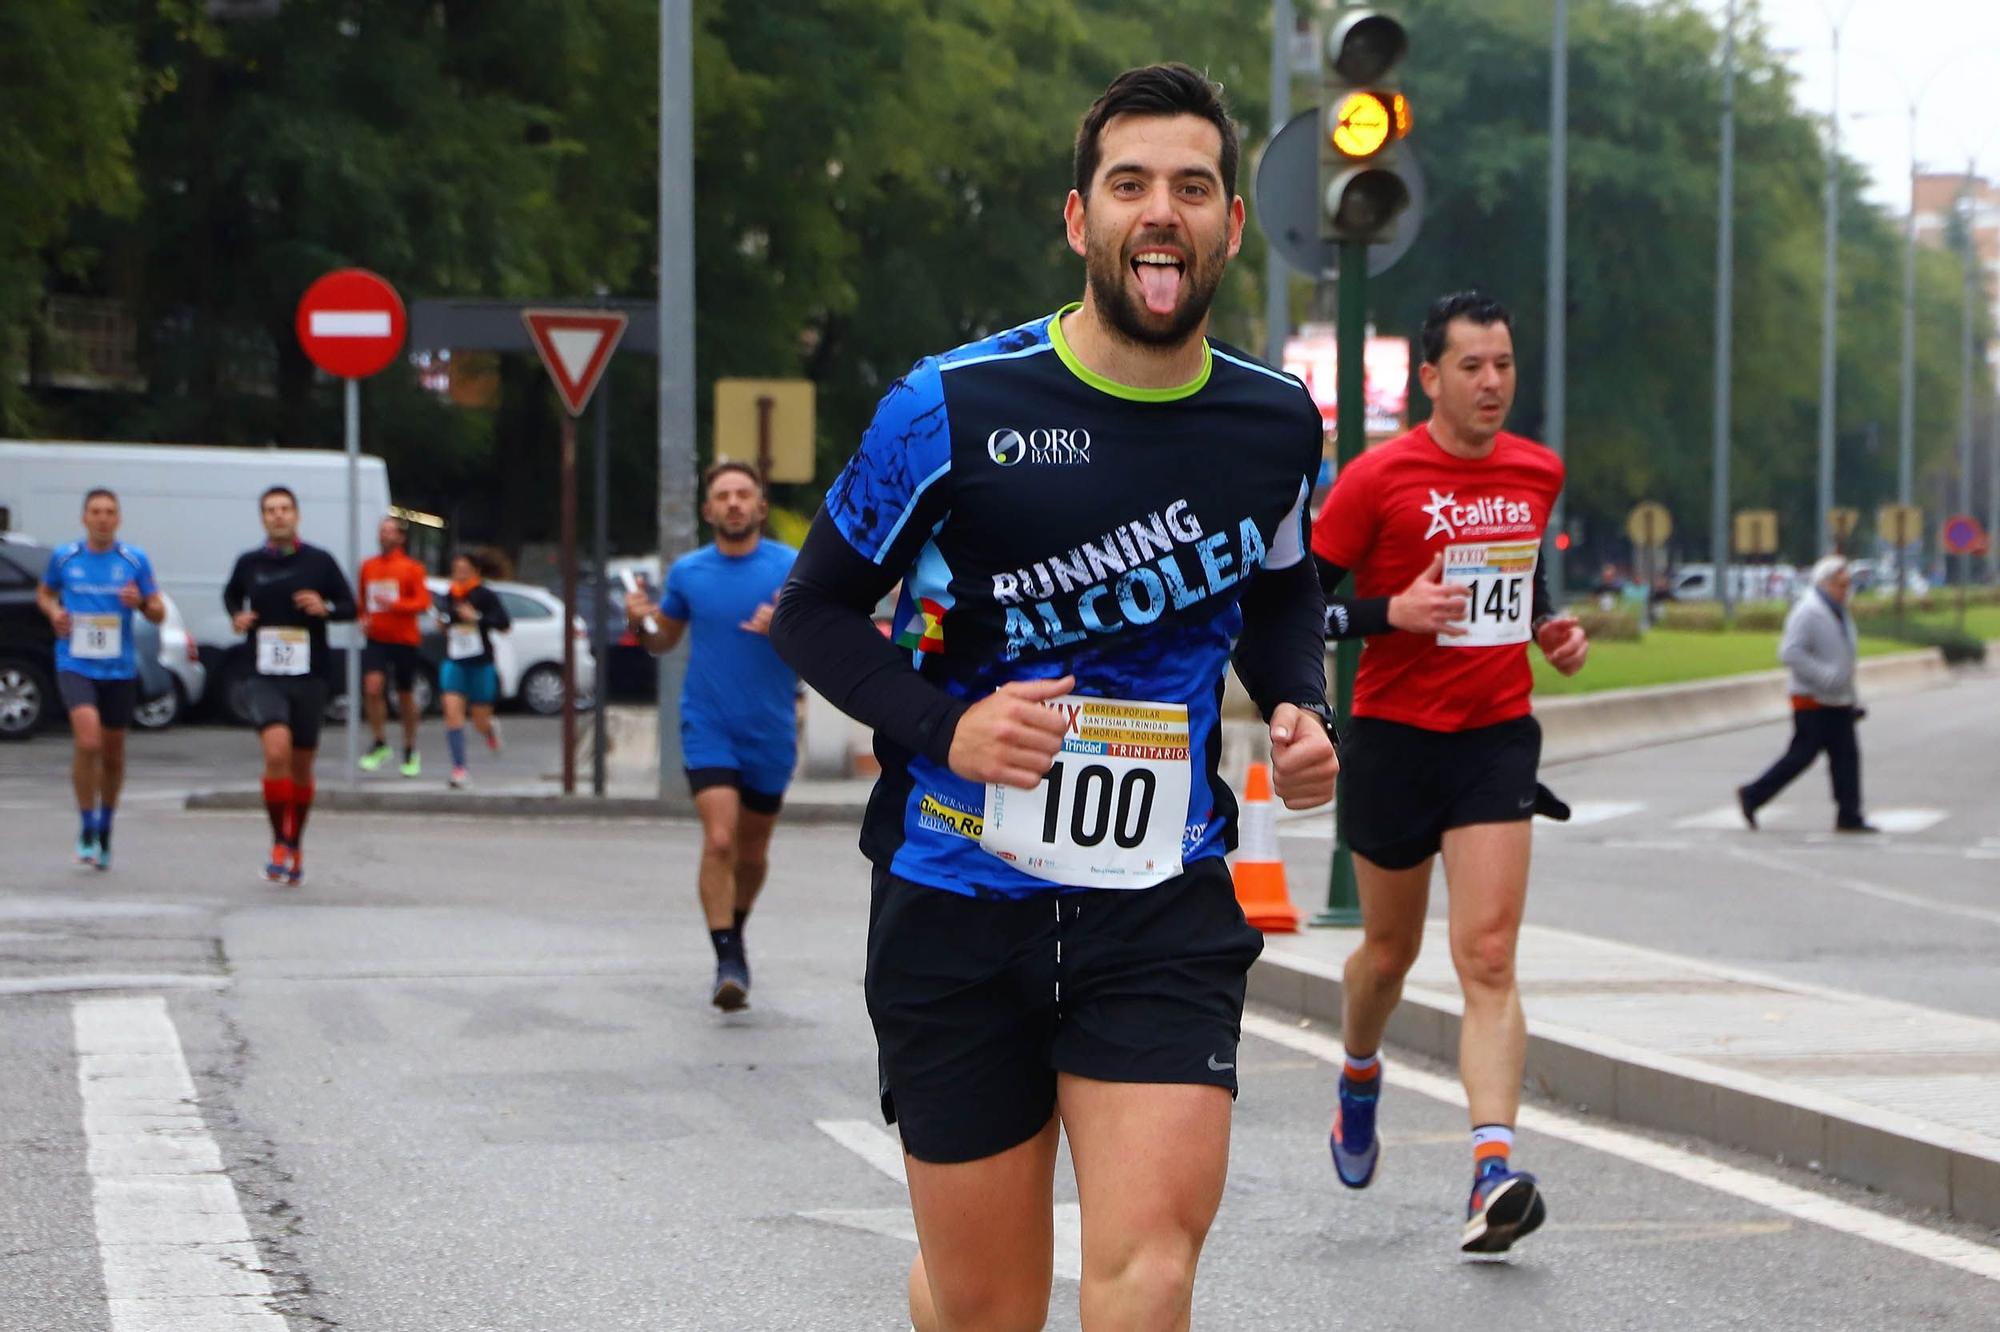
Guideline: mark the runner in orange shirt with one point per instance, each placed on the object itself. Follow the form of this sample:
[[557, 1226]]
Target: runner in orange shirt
[[393, 595]]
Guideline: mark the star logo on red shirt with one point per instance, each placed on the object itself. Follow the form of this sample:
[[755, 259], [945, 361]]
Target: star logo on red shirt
[[1436, 509]]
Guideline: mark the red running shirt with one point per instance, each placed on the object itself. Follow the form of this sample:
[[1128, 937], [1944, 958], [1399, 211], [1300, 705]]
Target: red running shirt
[[1393, 509]]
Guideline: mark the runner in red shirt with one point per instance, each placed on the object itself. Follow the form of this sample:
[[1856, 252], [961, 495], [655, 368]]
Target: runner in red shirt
[[1441, 529]]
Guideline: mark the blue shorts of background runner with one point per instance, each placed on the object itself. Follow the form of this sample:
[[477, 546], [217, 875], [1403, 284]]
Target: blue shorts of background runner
[[766, 762], [478, 684]]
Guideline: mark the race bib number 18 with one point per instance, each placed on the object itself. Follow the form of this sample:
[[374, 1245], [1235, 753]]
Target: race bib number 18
[[94, 637], [1501, 575], [1113, 809]]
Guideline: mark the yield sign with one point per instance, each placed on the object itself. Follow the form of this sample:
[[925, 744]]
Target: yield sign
[[575, 345]]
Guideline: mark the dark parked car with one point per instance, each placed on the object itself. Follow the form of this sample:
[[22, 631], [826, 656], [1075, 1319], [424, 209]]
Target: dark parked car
[[28, 697], [27, 643]]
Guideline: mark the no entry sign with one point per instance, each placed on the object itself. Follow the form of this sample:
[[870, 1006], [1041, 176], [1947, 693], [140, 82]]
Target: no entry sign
[[351, 323], [1963, 535]]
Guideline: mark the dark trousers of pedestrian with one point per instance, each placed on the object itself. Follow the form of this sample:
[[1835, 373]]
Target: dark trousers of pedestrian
[[1816, 731]]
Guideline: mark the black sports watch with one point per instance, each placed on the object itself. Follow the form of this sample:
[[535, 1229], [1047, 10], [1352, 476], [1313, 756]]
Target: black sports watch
[[1318, 708]]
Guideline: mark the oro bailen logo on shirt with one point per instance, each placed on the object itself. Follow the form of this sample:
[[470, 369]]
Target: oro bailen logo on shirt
[[1050, 446]]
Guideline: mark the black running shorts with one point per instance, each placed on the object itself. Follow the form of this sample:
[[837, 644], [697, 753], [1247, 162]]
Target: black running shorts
[[113, 699], [295, 701], [1402, 787], [978, 1002], [398, 661], [754, 800]]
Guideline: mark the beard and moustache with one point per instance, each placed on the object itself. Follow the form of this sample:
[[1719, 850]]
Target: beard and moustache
[[1106, 265], [738, 533]]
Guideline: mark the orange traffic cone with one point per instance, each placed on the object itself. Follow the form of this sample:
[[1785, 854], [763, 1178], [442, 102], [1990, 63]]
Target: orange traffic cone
[[1259, 872]]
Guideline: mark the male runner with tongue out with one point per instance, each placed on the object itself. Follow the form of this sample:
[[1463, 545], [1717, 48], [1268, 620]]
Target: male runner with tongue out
[[1090, 515]]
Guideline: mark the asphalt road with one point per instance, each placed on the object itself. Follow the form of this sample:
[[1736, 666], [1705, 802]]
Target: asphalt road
[[1659, 856], [466, 1078]]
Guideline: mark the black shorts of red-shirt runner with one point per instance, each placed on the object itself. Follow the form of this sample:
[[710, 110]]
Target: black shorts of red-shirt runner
[[1402, 787], [979, 1002]]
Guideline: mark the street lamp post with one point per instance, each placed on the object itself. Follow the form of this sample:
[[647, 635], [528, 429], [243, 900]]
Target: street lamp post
[[1725, 260], [1277, 280], [1824, 494], [1556, 407]]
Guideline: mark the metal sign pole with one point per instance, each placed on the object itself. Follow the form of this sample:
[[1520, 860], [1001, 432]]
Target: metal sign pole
[[569, 604], [351, 397], [601, 623], [1343, 895], [677, 498]]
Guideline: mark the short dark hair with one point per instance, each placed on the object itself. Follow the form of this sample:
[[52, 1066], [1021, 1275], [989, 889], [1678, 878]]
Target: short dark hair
[[95, 492], [1171, 89], [726, 466], [1475, 306], [286, 491]]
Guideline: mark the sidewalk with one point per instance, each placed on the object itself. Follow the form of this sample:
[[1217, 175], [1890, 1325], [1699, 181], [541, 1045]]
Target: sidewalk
[[1888, 1095], [625, 797]]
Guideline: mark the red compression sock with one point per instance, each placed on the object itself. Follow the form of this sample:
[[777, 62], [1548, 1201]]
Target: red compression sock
[[278, 804]]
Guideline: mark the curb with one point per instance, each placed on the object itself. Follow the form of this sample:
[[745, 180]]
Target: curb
[[333, 800], [1954, 1173]]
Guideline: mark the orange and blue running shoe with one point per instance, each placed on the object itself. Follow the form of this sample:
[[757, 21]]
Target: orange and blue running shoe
[[1505, 1206], [1355, 1147], [275, 869]]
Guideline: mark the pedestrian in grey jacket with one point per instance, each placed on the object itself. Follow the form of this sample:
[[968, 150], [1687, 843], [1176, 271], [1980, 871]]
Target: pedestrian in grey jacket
[[1819, 649]]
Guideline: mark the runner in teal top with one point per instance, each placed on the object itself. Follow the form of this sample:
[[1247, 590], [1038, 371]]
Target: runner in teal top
[[89, 592]]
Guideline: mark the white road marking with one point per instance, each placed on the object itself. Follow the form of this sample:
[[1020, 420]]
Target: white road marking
[[1586, 812], [881, 1149], [349, 323], [1907, 820], [176, 1250], [1788, 1199], [1317, 829], [83, 982], [1730, 816], [1865, 888]]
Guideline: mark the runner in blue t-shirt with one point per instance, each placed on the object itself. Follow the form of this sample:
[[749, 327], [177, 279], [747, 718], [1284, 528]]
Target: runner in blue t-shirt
[[739, 718], [89, 592]]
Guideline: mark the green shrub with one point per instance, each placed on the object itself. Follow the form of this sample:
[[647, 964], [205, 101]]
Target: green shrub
[[1762, 616], [1959, 648], [1612, 626], [1701, 617]]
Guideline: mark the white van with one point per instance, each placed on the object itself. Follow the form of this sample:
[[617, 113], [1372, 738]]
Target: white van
[[191, 508]]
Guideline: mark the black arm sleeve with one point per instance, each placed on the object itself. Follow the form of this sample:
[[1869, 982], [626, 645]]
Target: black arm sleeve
[[493, 614], [823, 631], [333, 589], [237, 590], [1281, 656], [1350, 617], [1544, 603]]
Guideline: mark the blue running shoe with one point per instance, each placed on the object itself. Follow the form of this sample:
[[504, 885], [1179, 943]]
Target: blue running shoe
[[86, 850], [732, 985], [1505, 1205], [1355, 1147]]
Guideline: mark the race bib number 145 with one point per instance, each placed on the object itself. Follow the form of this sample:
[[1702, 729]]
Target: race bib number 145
[[1113, 809], [1501, 575]]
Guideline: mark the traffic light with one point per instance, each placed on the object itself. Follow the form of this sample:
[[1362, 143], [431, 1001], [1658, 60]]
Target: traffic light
[[1363, 116]]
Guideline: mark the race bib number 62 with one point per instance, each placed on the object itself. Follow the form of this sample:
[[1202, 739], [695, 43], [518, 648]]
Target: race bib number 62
[[1501, 575], [1113, 809]]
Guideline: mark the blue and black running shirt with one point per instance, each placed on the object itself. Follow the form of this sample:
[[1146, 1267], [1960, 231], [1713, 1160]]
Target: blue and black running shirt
[[1045, 522]]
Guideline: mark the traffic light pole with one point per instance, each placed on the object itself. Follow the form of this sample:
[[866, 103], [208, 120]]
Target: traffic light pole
[[1343, 898]]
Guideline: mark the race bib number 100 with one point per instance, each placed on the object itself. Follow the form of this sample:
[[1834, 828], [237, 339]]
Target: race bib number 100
[[1501, 575], [1113, 809]]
